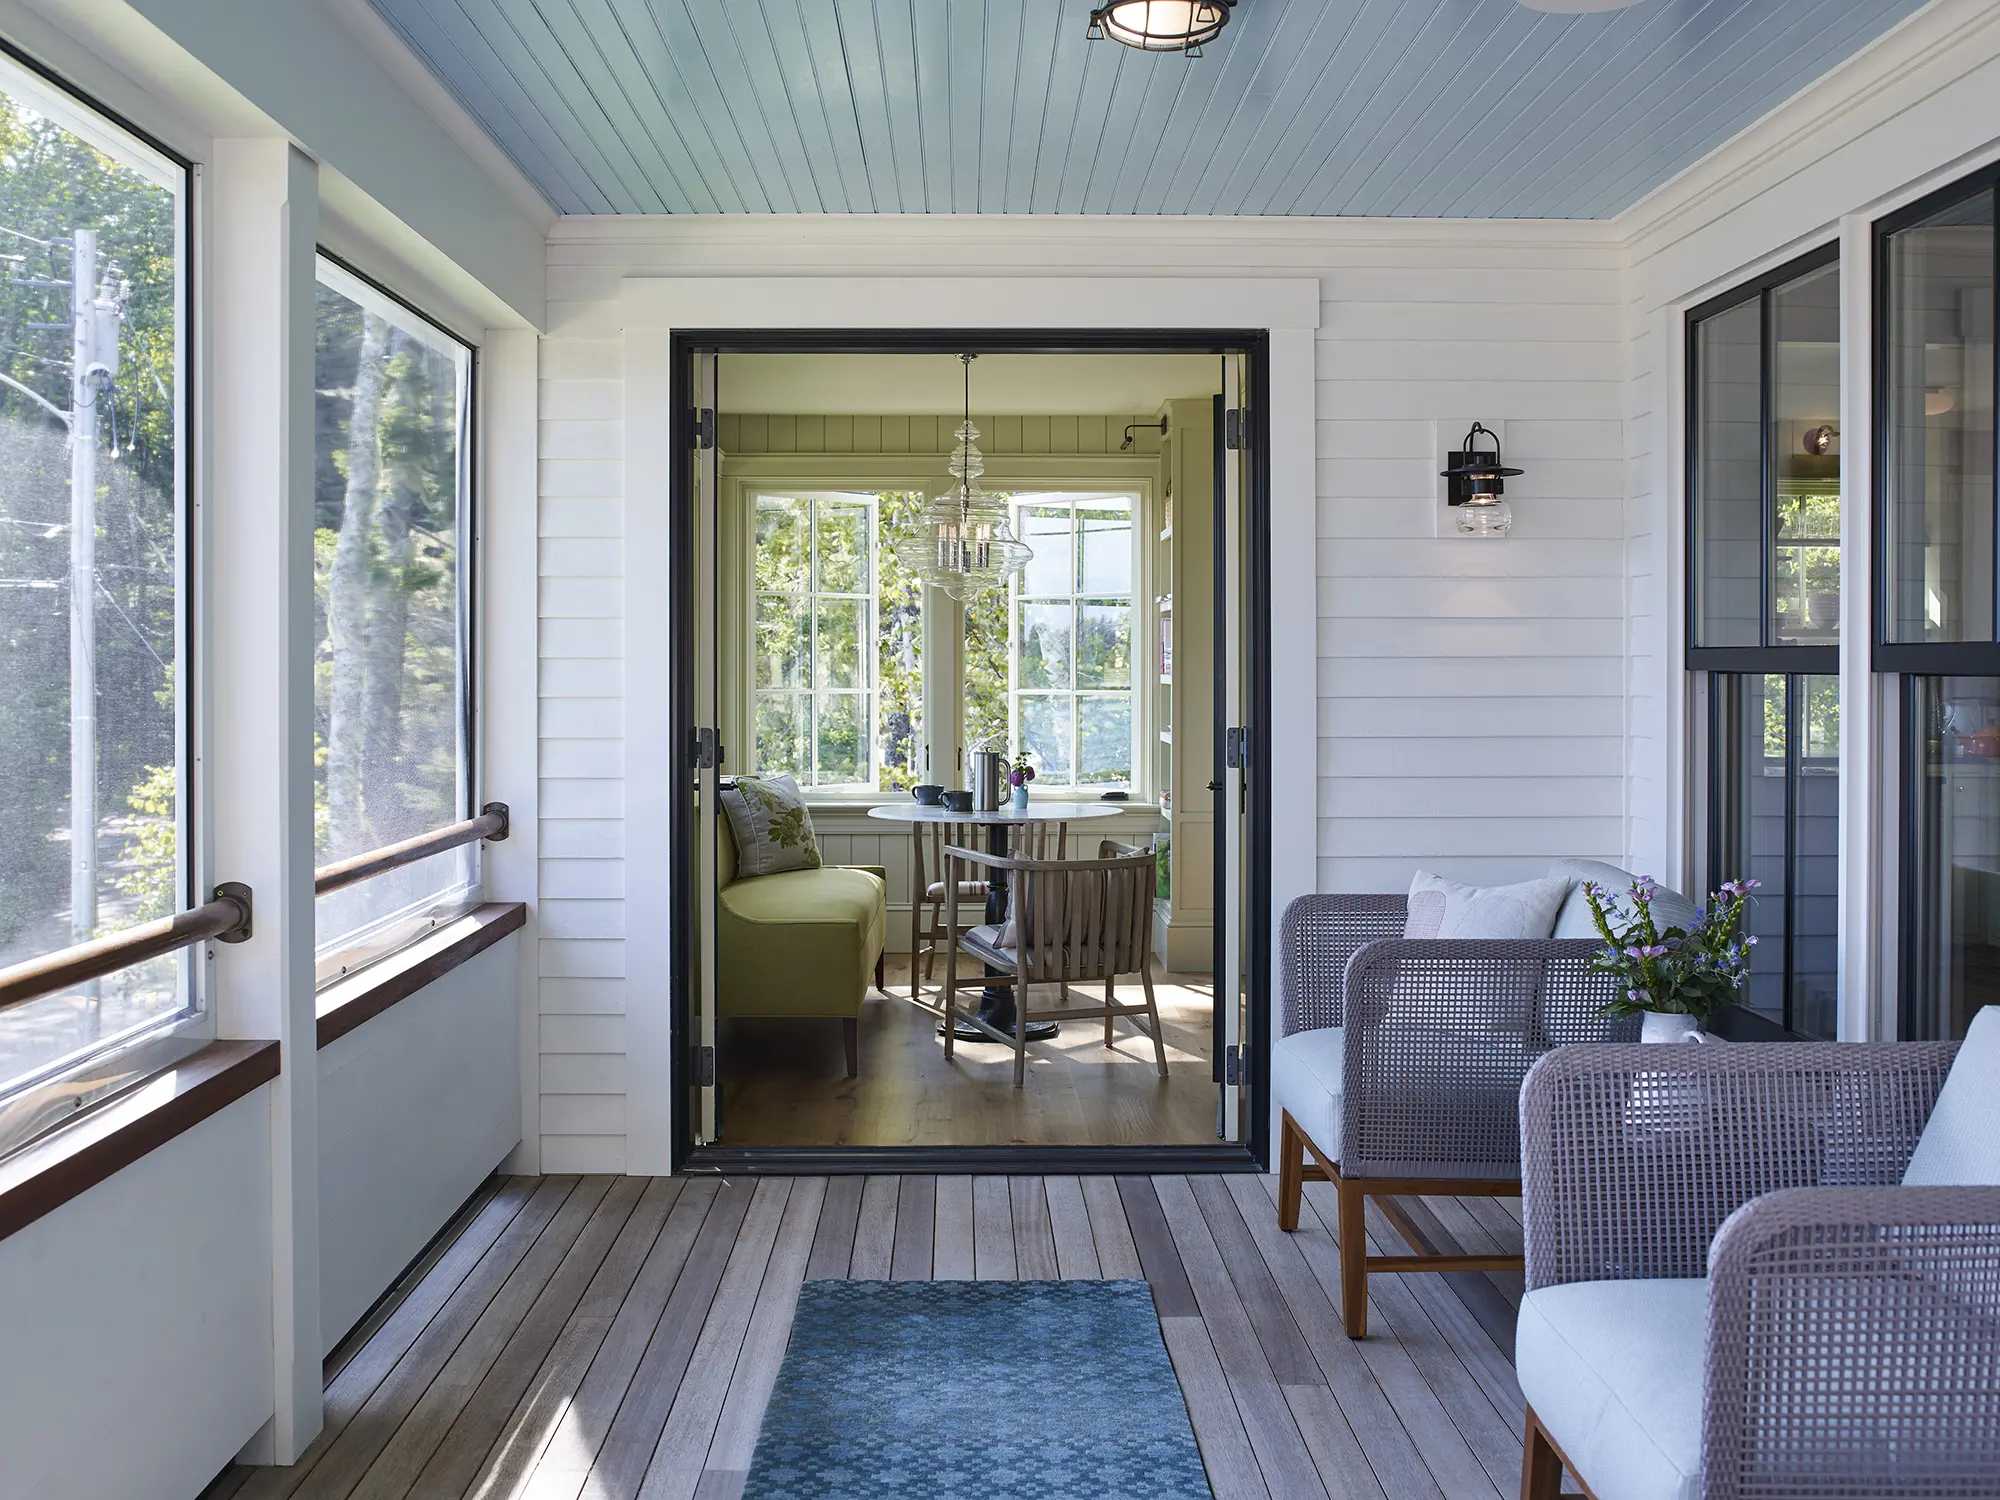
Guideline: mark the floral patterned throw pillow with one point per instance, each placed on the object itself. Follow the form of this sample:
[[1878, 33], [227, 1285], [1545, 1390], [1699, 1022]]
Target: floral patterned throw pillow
[[774, 832]]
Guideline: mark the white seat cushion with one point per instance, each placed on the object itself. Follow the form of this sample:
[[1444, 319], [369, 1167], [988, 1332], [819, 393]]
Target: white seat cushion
[[1614, 1371], [1527, 910], [935, 890], [1305, 1081], [1960, 1146]]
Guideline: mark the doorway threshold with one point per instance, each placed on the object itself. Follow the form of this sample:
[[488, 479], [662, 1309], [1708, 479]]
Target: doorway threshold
[[968, 1161]]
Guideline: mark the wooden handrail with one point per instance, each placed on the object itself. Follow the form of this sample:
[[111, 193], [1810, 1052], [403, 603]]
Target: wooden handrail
[[491, 824], [226, 919]]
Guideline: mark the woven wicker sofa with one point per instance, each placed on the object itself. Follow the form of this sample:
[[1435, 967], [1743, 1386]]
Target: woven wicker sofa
[[1730, 1290], [1399, 1063]]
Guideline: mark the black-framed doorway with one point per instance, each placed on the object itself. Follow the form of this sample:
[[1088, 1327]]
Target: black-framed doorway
[[684, 432]]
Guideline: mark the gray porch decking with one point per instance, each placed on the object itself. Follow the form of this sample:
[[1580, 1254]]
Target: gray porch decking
[[597, 1337]]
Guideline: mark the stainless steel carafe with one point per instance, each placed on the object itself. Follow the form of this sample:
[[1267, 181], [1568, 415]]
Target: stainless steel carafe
[[989, 780]]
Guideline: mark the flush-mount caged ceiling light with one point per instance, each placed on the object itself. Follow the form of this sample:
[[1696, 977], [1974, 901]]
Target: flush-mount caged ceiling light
[[1184, 26]]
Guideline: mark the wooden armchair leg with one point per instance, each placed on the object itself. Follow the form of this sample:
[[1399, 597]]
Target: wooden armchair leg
[[1541, 1463], [1153, 1016], [1291, 1172], [1353, 1257]]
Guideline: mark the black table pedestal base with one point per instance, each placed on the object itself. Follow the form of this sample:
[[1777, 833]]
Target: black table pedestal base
[[1038, 1031]]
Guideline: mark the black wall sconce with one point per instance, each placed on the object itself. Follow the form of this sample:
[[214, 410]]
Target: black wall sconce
[[1478, 480], [1126, 446]]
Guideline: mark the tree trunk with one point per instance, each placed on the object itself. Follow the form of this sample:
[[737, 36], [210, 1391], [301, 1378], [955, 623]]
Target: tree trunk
[[389, 605], [347, 600]]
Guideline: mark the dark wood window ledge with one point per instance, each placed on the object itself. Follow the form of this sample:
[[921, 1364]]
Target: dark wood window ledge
[[69, 1161], [346, 1004]]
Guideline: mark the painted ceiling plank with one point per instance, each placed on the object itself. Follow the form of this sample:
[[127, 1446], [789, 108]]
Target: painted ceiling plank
[[533, 71], [1277, 176], [746, 66], [815, 76], [1042, 29], [1155, 89], [934, 111], [619, 53], [1448, 49], [652, 179], [1599, 82], [893, 40], [1071, 57], [1102, 67], [1001, 47], [852, 25], [684, 91], [1591, 52], [464, 63], [1266, 79], [965, 27], [1216, 85], [1792, 61]]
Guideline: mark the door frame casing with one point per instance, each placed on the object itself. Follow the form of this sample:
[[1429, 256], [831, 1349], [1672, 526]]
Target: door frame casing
[[666, 318]]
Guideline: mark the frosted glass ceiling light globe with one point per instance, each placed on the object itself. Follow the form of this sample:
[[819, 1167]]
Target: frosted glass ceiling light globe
[[1161, 25]]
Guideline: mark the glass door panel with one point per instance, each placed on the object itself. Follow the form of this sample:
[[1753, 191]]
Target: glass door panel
[[707, 680], [1235, 745]]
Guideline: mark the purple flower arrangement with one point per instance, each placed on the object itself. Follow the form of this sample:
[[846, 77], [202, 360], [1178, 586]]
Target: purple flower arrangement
[[1694, 971], [1022, 773]]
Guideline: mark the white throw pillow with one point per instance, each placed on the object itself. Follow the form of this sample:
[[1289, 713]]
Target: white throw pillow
[[1527, 910], [1960, 1146]]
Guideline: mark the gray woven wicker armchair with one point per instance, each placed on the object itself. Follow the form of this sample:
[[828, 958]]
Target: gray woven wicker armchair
[[1730, 1292], [1399, 1064]]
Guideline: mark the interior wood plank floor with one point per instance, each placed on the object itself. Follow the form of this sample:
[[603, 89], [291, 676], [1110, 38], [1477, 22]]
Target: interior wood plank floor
[[784, 1083], [605, 1338]]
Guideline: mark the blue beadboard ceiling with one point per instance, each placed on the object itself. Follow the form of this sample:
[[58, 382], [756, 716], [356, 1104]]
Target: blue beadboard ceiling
[[1441, 108]]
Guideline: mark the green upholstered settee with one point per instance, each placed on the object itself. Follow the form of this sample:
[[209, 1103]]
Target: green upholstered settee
[[800, 943]]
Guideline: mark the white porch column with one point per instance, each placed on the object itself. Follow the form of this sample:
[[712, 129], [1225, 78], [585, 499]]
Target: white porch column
[[263, 197], [509, 746]]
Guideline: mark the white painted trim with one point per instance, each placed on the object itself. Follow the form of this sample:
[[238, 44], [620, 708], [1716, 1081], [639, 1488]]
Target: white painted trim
[[652, 306], [961, 302], [509, 671], [1860, 917], [262, 201], [1670, 491], [652, 1070]]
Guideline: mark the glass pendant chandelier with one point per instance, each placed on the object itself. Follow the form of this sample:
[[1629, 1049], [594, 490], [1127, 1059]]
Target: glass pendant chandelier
[[962, 543]]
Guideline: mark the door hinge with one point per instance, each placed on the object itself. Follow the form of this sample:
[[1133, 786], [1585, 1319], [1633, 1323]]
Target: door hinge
[[1236, 749], [704, 427], [1234, 428], [704, 1067], [1232, 1064], [707, 753]]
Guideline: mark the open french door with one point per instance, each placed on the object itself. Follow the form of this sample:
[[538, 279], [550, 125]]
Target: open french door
[[1234, 745], [707, 751]]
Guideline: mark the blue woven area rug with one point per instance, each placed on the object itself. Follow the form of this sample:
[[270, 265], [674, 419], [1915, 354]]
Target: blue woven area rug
[[1006, 1390]]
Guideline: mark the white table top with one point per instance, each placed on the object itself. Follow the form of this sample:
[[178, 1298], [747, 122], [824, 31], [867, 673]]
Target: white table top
[[1038, 812]]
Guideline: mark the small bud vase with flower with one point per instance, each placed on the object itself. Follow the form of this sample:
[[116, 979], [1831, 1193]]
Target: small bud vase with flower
[[1019, 777]]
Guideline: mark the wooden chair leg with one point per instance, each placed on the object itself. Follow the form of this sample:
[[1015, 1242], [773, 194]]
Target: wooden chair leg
[[850, 1034], [950, 1002], [1110, 991], [1021, 1035], [1153, 1015], [1541, 1464], [881, 961], [1353, 1257], [1291, 1172]]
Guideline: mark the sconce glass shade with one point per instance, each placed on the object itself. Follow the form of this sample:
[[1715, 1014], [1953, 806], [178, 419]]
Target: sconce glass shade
[[1485, 518], [1161, 25]]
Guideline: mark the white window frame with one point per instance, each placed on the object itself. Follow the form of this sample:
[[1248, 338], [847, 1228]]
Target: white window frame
[[1138, 647], [870, 691], [942, 753]]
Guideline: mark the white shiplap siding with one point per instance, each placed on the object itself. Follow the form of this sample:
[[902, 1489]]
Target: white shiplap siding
[[1471, 694]]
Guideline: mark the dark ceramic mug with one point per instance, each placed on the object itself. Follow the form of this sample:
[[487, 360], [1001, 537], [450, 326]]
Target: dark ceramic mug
[[959, 801], [927, 795]]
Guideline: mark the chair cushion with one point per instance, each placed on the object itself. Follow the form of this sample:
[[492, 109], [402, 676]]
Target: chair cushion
[[975, 888], [1670, 907], [1527, 910], [1960, 1146], [1614, 1371], [802, 943], [1305, 1082]]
